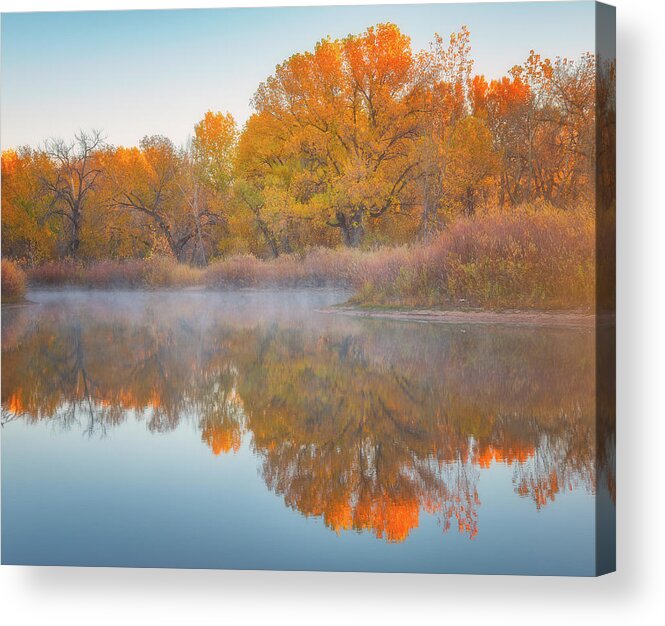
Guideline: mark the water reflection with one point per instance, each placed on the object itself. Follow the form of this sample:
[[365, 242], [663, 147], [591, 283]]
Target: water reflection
[[362, 423]]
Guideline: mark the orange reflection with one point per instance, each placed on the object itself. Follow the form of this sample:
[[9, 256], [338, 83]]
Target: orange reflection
[[485, 454], [15, 403], [364, 427], [220, 438], [388, 517]]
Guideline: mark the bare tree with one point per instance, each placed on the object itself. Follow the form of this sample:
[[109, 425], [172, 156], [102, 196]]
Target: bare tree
[[164, 187], [69, 184]]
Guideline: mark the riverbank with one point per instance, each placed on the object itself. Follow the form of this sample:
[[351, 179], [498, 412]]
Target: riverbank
[[529, 259], [558, 319]]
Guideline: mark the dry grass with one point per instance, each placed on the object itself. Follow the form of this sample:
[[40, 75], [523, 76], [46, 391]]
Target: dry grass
[[320, 267], [13, 281], [135, 273], [527, 258]]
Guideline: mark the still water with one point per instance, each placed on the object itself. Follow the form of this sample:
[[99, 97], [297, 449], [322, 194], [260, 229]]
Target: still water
[[251, 430]]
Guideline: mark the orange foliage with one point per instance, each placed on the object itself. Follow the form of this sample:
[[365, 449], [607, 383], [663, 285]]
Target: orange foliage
[[361, 141], [394, 518], [386, 516]]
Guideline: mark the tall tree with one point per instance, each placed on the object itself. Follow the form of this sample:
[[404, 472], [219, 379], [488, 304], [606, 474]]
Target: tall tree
[[444, 87], [214, 145], [472, 162], [71, 183], [26, 234], [344, 119], [155, 182]]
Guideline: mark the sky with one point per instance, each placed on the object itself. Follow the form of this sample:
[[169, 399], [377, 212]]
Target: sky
[[137, 73]]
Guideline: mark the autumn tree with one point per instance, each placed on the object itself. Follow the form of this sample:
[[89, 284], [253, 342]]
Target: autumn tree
[[71, 182], [271, 188], [343, 122], [154, 181], [471, 163], [568, 172], [605, 114], [359, 141], [209, 169], [213, 147], [503, 104], [26, 234], [542, 122], [443, 88]]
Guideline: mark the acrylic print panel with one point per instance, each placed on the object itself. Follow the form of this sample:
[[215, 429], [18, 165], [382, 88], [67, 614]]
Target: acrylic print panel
[[320, 288]]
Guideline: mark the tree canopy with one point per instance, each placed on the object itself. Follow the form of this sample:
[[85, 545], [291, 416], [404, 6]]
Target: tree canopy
[[358, 142]]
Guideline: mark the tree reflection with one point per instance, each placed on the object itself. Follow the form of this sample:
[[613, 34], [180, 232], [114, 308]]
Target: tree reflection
[[364, 425]]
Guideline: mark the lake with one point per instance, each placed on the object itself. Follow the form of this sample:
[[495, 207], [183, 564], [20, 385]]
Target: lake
[[249, 429]]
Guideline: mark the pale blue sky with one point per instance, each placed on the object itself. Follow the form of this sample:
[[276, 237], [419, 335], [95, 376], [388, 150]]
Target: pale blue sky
[[135, 73]]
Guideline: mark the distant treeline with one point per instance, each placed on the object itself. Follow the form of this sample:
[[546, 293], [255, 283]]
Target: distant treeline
[[361, 142]]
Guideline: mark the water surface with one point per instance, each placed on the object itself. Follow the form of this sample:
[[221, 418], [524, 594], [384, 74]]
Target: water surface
[[249, 430]]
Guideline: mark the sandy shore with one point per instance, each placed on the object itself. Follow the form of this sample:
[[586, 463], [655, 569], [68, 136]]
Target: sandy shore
[[566, 319]]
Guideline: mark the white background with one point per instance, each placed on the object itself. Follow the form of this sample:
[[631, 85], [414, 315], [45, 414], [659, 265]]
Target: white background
[[634, 594]]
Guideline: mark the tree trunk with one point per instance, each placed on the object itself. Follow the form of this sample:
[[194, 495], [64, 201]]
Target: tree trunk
[[75, 242], [470, 206], [425, 223], [177, 249], [199, 234], [268, 236], [352, 227]]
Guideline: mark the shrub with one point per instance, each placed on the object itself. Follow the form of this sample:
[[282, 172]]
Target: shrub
[[527, 257], [114, 274], [166, 272], [62, 272], [133, 273], [319, 267], [13, 280]]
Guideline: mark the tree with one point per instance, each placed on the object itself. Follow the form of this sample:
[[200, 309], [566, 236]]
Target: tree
[[71, 183], [214, 144], [542, 122], [359, 141], [444, 87], [156, 181], [273, 189], [209, 165], [342, 120], [26, 234], [472, 162]]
